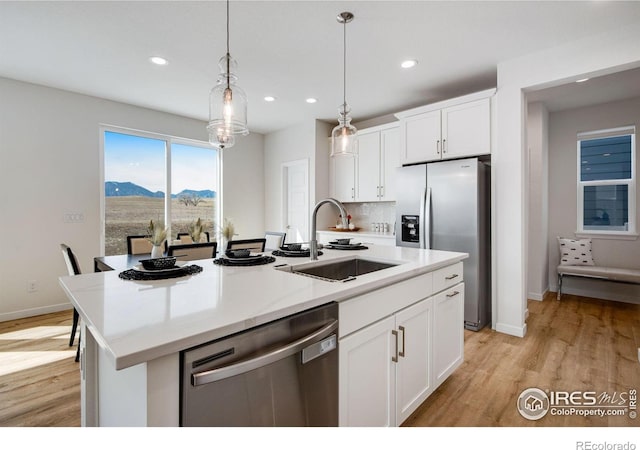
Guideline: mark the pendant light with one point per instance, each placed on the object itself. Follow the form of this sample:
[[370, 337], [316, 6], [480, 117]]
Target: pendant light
[[344, 137], [227, 103]]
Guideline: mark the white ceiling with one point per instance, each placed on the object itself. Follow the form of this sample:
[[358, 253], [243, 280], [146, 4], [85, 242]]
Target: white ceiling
[[291, 50]]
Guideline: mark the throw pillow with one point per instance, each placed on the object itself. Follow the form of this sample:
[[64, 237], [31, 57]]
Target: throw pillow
[[575, 252]]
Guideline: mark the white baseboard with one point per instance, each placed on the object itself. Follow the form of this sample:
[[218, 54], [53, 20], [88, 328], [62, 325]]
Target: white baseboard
[[511, 329], [34, 311], [537, 296]]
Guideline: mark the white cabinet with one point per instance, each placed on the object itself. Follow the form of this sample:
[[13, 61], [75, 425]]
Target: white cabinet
[[448, 349], [397, 344], [378, 157], [446, 130], [385, 369], [343, 178], [367, 377], [413, 369], [368, 177]]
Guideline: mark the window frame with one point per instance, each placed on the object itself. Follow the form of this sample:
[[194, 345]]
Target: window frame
[[630, 232], [169, 140]]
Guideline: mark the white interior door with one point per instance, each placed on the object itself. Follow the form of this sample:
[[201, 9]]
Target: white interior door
[[296, 200]]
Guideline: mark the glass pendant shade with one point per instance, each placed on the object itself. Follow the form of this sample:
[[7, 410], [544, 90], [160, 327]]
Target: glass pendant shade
[[227, 106], [344, 137]]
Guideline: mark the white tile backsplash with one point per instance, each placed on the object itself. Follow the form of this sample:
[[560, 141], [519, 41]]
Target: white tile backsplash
[[364, 214]]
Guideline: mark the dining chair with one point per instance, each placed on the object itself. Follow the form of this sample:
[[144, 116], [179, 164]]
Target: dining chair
[[74, 269], [137, 245], [257, 245], [190, 252], [185, 238], [275, 240]]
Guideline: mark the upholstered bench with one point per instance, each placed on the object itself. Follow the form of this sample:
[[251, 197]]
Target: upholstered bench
[[604, 273]]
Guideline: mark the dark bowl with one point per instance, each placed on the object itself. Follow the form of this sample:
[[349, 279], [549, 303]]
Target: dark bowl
[[240, 253], [344, 241], [292, 247], [159, 263]]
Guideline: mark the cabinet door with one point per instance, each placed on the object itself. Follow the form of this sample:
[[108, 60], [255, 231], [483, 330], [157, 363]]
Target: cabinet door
[[466, 129], [343, 178], [368, 173], [448, 336], [413, 376], [367, 377], [421, 138], [389, 162]]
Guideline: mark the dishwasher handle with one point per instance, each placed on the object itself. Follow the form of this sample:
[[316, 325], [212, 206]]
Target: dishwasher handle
[[209, 376]]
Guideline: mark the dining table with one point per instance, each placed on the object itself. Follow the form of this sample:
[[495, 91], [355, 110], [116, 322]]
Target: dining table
[[117, 262]]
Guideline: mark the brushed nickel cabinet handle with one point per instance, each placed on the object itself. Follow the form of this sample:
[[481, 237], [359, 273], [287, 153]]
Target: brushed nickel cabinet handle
[[395, 334], [453, 294], [443, 146], [438, 146], [451, 277], [401, 328]]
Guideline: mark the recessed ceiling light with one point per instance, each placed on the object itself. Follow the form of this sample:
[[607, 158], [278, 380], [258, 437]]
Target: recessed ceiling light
[[408, 63], [269, 98], [311, 100], [159, 60], [582, 80]]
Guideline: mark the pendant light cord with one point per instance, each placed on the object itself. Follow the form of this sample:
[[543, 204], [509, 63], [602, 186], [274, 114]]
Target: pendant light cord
[[228, 55], [344, 64]]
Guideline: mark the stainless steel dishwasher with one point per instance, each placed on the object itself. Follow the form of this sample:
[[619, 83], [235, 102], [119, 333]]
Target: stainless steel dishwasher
[[284, 373]]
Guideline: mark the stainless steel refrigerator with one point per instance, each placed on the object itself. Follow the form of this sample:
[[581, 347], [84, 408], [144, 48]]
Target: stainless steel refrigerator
[[445, 205]]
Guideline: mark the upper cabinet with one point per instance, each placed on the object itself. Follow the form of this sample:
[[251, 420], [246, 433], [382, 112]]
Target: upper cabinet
[[451, 129], [378, 158], [369, 177]]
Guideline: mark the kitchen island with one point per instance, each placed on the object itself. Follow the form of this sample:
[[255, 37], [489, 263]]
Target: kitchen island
[[133, 331]]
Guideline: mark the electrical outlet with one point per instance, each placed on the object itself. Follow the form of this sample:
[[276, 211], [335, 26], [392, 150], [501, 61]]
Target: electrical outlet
[[73, 217], [31, 286]]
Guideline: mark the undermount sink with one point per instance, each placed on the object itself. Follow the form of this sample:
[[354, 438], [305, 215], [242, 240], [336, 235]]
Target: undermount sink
[[341, 270]]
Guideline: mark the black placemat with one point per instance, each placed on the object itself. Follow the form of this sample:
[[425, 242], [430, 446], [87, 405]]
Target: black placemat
[[238, 262], [132, 274], [355, 247], [293, 253]]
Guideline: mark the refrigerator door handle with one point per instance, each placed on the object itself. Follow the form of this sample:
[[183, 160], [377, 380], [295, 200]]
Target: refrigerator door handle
[[425, 209], [427, 220]]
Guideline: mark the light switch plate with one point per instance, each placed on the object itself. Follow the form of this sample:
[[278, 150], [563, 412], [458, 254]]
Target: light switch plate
[[73, 217]]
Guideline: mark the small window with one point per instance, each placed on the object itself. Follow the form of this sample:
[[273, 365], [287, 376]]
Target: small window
[[606, 181]]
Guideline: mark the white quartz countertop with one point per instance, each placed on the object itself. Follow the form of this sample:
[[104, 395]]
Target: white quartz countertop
[[138, 321]]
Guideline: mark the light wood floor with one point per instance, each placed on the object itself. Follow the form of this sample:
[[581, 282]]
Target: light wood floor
[[575, 344]]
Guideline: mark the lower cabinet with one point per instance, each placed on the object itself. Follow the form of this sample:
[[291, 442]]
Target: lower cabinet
[[401, 348], [448, 348], [385, 368]]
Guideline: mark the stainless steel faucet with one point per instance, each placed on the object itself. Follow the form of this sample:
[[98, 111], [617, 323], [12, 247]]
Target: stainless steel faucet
[[313, 243]]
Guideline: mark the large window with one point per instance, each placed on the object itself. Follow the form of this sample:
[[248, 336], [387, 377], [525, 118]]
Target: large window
[[140, 168], [606, 181]]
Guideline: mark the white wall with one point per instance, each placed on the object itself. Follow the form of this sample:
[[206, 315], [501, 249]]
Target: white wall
[[592, 56], [49, 156], [538, 182], [308, 140], [563, 128], [243, 182]]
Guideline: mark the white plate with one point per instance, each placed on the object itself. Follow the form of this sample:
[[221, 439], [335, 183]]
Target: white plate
[[179, 265], [251, 257]]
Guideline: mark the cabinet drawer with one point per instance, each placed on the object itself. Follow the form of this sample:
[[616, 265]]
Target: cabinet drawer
[[360, 311], [447, 277]]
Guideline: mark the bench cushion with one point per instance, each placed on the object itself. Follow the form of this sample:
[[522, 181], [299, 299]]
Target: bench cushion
[[609, 273]]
